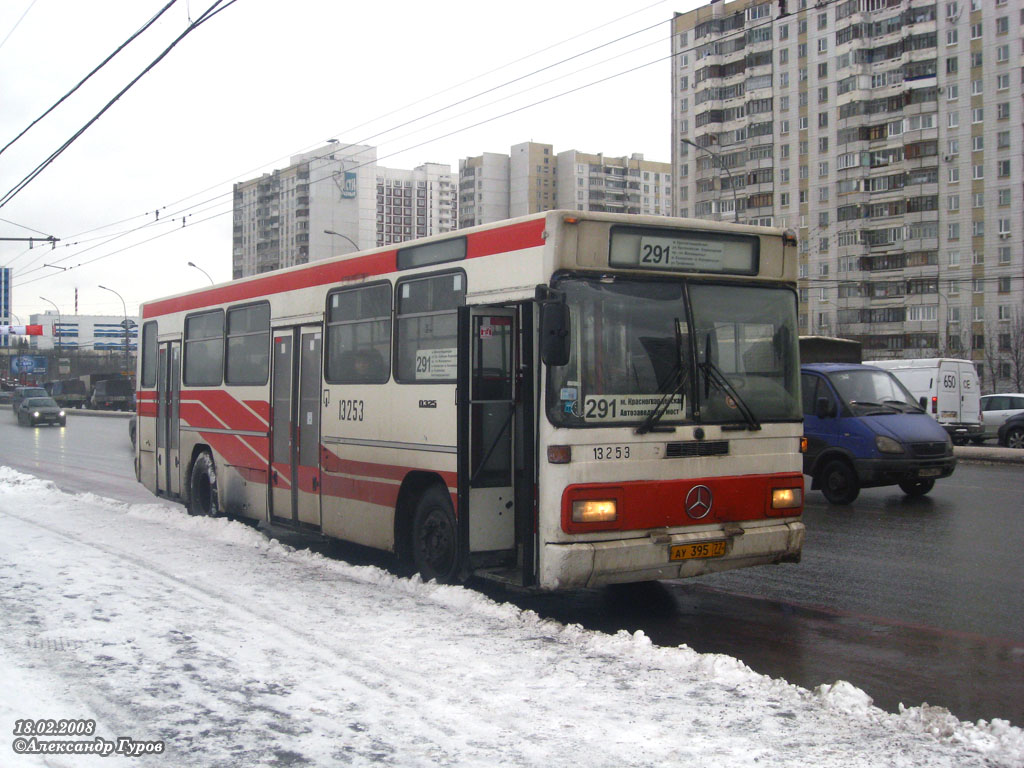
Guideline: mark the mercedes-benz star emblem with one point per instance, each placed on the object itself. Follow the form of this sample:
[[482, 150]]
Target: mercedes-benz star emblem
[[698, 501]]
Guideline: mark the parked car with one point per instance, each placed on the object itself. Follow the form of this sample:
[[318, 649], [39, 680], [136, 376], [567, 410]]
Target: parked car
[[20, 393], [1011, 433], [112, 395], [865, 429], [6, 397], [996, 409], [69, 393], [947, 388], [33, 411]]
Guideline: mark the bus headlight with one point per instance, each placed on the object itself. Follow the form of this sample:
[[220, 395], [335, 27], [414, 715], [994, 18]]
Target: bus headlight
[[787, 498], [594, 511], [887, 445]]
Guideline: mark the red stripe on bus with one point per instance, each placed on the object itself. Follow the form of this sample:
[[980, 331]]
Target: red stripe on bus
[[234, 451], [147, 409], [144, 394], [330, 462], [514, 237], [383, 494], [261, 407], [233, 413]]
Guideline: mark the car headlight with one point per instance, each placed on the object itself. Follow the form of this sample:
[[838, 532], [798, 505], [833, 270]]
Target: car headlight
[[888, 445], [35, 415], [61, 414]]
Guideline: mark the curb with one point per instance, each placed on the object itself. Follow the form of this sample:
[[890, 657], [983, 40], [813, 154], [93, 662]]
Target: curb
[[103, 414], [994, 455]]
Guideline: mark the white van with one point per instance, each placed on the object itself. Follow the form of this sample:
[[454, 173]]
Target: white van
[[950, 390]]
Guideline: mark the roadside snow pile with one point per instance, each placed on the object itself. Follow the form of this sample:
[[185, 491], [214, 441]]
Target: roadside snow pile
[[431, 674]]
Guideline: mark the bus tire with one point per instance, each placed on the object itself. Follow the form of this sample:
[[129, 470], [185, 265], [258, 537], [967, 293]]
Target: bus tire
[[202, 487], [839, 482], [914, 487], [435, 551]]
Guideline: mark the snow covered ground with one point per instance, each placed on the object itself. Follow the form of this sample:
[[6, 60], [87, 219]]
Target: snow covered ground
[[221, 647]]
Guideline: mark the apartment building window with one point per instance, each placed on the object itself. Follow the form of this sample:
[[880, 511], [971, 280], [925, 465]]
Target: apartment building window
[[1003, 111], [1002, 53], [953, 93], [951, 65], [978, 143], [1002, 82], [953, 119], [953, 174], [784, 199], [823, 97], [953, 289], [1003, 140], [1004, 258], [1004, 196], [784, 103], [1004, 227], [977, 88], [979, 199], [978, 314], [1003, 169], [979, 231], [802, 123], [953, 230], [952, 10], [978, 115], [978, 285], [953, 203], [954, 258], [801, 53], [1003, 25], [822, 45], [823, 119], [977, 59], [976, 31], [1004, 284], [953, 147], [823, 70], [951, 37], [784, 56]]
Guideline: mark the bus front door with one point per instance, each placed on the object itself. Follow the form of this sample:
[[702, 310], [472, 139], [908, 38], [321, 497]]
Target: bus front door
[[486, 440], [168, 389], [295, 427]]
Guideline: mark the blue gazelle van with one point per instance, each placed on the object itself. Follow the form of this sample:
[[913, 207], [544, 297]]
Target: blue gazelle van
[[864, 429]]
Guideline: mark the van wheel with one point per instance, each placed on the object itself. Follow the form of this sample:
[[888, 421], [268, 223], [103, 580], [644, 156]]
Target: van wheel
[[916, 487], [1015, 438], [839, 482], [202, 496], [435, 551]]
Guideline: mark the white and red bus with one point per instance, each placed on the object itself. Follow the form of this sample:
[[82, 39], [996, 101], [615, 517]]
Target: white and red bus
[[557, 401]]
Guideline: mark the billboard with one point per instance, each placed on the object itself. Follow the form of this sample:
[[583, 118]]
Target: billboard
[[28, 364]]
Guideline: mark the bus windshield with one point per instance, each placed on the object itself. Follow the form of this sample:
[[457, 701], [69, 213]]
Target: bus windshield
[[634, 350]]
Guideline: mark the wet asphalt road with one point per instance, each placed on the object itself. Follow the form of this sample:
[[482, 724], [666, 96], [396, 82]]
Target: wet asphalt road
[[911, 600]]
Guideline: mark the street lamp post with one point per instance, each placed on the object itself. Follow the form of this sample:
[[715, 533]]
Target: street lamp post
[[124, 307], [344, 237], [718, 161], [193, 264], [57, 330]]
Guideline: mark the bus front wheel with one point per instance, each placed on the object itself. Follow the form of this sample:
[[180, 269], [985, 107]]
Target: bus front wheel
[[202, 497], [435, 551]]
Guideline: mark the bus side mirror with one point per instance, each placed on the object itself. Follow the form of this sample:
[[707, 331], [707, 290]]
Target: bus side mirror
[[923, 402], [823, 408], [554, 329]]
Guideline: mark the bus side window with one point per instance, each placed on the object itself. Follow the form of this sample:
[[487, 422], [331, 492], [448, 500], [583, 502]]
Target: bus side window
[[149, 354]]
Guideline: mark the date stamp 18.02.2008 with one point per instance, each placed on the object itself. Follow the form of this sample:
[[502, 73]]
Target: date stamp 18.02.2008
[[75, 737]]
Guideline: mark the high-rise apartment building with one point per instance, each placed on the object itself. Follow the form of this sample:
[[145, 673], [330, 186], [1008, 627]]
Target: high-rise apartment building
[[889, 134], [334, 200], [532, 178], [6, 318]]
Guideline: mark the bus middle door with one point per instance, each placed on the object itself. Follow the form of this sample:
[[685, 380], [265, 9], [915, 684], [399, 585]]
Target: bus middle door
[[295, 426], [168, 393], [487, 437]]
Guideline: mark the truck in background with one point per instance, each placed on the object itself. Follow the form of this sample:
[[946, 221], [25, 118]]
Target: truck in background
[[946, 388]]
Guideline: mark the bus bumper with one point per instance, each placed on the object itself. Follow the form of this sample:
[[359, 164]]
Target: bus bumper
[[595, 564]]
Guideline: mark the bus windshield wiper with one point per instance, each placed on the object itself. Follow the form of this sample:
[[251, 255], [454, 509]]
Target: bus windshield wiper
[[676, 384], [713, 375]]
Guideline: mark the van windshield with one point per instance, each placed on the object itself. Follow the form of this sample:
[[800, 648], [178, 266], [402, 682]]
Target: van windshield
[[873, 391]]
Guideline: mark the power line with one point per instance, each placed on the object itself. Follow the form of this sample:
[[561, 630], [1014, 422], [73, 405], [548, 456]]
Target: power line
[[96, 69], [207, 15]]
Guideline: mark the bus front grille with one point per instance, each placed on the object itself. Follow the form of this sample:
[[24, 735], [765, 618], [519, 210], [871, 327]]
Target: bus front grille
[[682, 450]]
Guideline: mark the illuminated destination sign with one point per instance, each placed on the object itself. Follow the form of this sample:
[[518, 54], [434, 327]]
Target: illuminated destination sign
[[674, 251]]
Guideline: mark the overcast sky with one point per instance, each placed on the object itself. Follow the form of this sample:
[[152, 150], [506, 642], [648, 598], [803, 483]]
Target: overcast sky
[[261, 81]]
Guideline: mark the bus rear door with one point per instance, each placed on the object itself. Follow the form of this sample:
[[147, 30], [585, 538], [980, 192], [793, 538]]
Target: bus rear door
[[295, 426], [168, 390]]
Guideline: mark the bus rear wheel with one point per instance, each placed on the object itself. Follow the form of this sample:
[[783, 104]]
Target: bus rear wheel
[[435, 551], [202, 496]]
